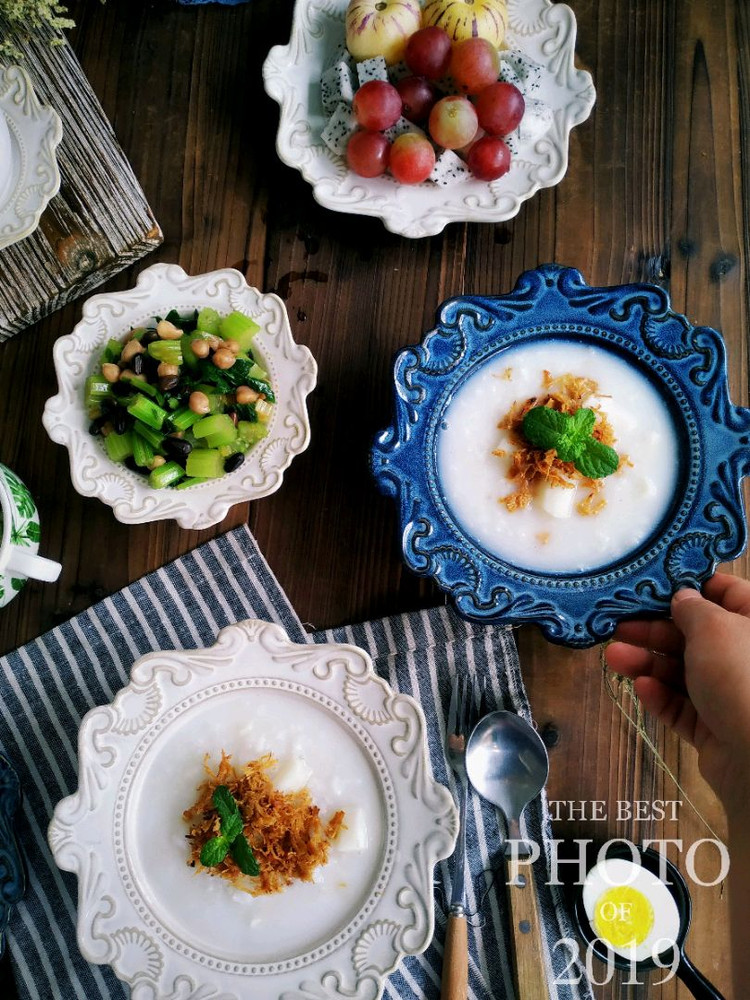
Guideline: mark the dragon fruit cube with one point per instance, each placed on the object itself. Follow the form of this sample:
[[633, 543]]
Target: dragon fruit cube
[[336, 84], [399, 127], [372, 69], [536, 121], [339, 128], [508, 74], [528, 71], [340, 54], [449, 169]]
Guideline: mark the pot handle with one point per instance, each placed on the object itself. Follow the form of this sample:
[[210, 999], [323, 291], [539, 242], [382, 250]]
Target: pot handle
[[695, 981]]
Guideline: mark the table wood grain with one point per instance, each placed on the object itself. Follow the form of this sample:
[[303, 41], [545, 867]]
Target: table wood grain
[[656, 190]]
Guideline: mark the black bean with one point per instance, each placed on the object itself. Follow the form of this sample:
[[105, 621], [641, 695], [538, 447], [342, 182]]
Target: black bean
[[149, 337], [138, 364], [130, 463], [177, 447], [120, 421], [95, 427], [121, 388], [234, 462], [168, 382]]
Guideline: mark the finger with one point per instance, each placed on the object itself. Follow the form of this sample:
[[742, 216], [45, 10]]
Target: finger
[[658, 635], [730, 592], [671, 708], [631, 661]]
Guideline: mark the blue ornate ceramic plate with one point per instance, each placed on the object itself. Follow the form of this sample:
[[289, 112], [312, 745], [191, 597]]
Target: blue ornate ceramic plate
[[701, 519], [12, 878]]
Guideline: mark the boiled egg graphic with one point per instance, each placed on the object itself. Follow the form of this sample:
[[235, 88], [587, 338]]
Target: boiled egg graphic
[[630, 909]]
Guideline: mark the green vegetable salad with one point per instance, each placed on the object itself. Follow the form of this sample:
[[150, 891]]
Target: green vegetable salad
[[183, 400]]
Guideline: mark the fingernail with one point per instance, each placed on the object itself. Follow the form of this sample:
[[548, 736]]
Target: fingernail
[[686, 594]]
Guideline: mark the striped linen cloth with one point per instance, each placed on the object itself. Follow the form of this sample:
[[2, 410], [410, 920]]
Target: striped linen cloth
[[48, 685]]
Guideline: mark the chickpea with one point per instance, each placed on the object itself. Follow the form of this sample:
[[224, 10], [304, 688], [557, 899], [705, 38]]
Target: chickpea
[[200, 348], [232, 345], [128, 373], [156, 461], [214, 342], [245, 394], [166, 369], [130, 350], [167, 330], [111, 372], [223, 359], [199, 402]]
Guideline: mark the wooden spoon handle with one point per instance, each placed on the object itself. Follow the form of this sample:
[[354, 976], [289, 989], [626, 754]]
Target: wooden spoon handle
[[455, 980], [529, 974]]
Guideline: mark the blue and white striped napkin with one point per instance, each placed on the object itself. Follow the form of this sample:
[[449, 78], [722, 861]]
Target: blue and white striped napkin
[[47, 686]]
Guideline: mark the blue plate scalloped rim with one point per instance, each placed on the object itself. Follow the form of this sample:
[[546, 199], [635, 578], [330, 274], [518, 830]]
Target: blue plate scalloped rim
[[687, 365], [12, 874]]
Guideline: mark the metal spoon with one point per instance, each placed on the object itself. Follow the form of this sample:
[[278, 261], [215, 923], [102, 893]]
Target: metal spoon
[[507, 763]]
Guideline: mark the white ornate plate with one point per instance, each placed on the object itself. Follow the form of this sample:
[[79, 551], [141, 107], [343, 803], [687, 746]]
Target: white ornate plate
[[168, 930], [160, 288], [544, 31], [29, 176]]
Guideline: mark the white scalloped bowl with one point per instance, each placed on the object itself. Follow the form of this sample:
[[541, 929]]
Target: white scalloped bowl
[[543, 31], [158, 289]]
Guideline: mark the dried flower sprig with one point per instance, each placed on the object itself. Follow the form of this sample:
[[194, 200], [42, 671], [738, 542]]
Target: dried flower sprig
[[25, 16]]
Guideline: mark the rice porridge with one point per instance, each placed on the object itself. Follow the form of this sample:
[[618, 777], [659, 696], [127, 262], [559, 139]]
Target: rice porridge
[[550, 534]]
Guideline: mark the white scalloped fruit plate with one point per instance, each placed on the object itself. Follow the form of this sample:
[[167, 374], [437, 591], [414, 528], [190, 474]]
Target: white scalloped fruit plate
[[543, 31], [167, 929], [160, 288], [29, 176]]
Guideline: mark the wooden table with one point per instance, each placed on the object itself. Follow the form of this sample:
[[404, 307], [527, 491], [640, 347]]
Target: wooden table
[[656, 191]]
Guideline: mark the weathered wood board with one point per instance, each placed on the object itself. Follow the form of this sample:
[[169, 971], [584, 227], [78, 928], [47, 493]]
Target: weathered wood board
[[98, 223]]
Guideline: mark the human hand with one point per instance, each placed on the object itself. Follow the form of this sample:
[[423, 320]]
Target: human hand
[[693, 674]]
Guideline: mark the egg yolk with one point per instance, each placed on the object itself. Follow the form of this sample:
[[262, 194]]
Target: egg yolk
[[623, 916]]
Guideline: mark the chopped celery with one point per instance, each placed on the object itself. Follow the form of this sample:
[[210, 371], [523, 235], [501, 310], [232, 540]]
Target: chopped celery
[[218, 423], [119, 446], [168, 351], [257, 372], [193, 481], [149, 434], [237, 326], [184, 418], [205, 463], [142, 386], [97, 389], [252, 432], [190, 359], [165, 475], [264, 409], [112, 351], [209, 321], [143, 453], [148, 412], [221, 438]]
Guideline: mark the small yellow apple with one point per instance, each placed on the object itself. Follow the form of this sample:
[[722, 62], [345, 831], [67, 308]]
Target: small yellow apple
[[381, 28], [463, 19]]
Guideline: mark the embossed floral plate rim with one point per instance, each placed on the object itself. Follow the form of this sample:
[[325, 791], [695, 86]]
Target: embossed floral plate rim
[[35, 134], [168, 697], [544, 31], [687, 364], [159, 288]]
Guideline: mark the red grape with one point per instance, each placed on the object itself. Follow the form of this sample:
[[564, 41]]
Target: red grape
[[428, 53], [500, 108], [418, 96], [453, 122], [367, 153], [412, 158], [489, 158], [377, 105], [475, 64]]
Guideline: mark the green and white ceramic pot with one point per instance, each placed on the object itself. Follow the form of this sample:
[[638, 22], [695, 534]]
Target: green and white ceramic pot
[[19, 539]]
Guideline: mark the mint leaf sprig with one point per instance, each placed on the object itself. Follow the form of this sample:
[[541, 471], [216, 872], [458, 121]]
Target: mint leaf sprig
[[571, 436], [231, 839]]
